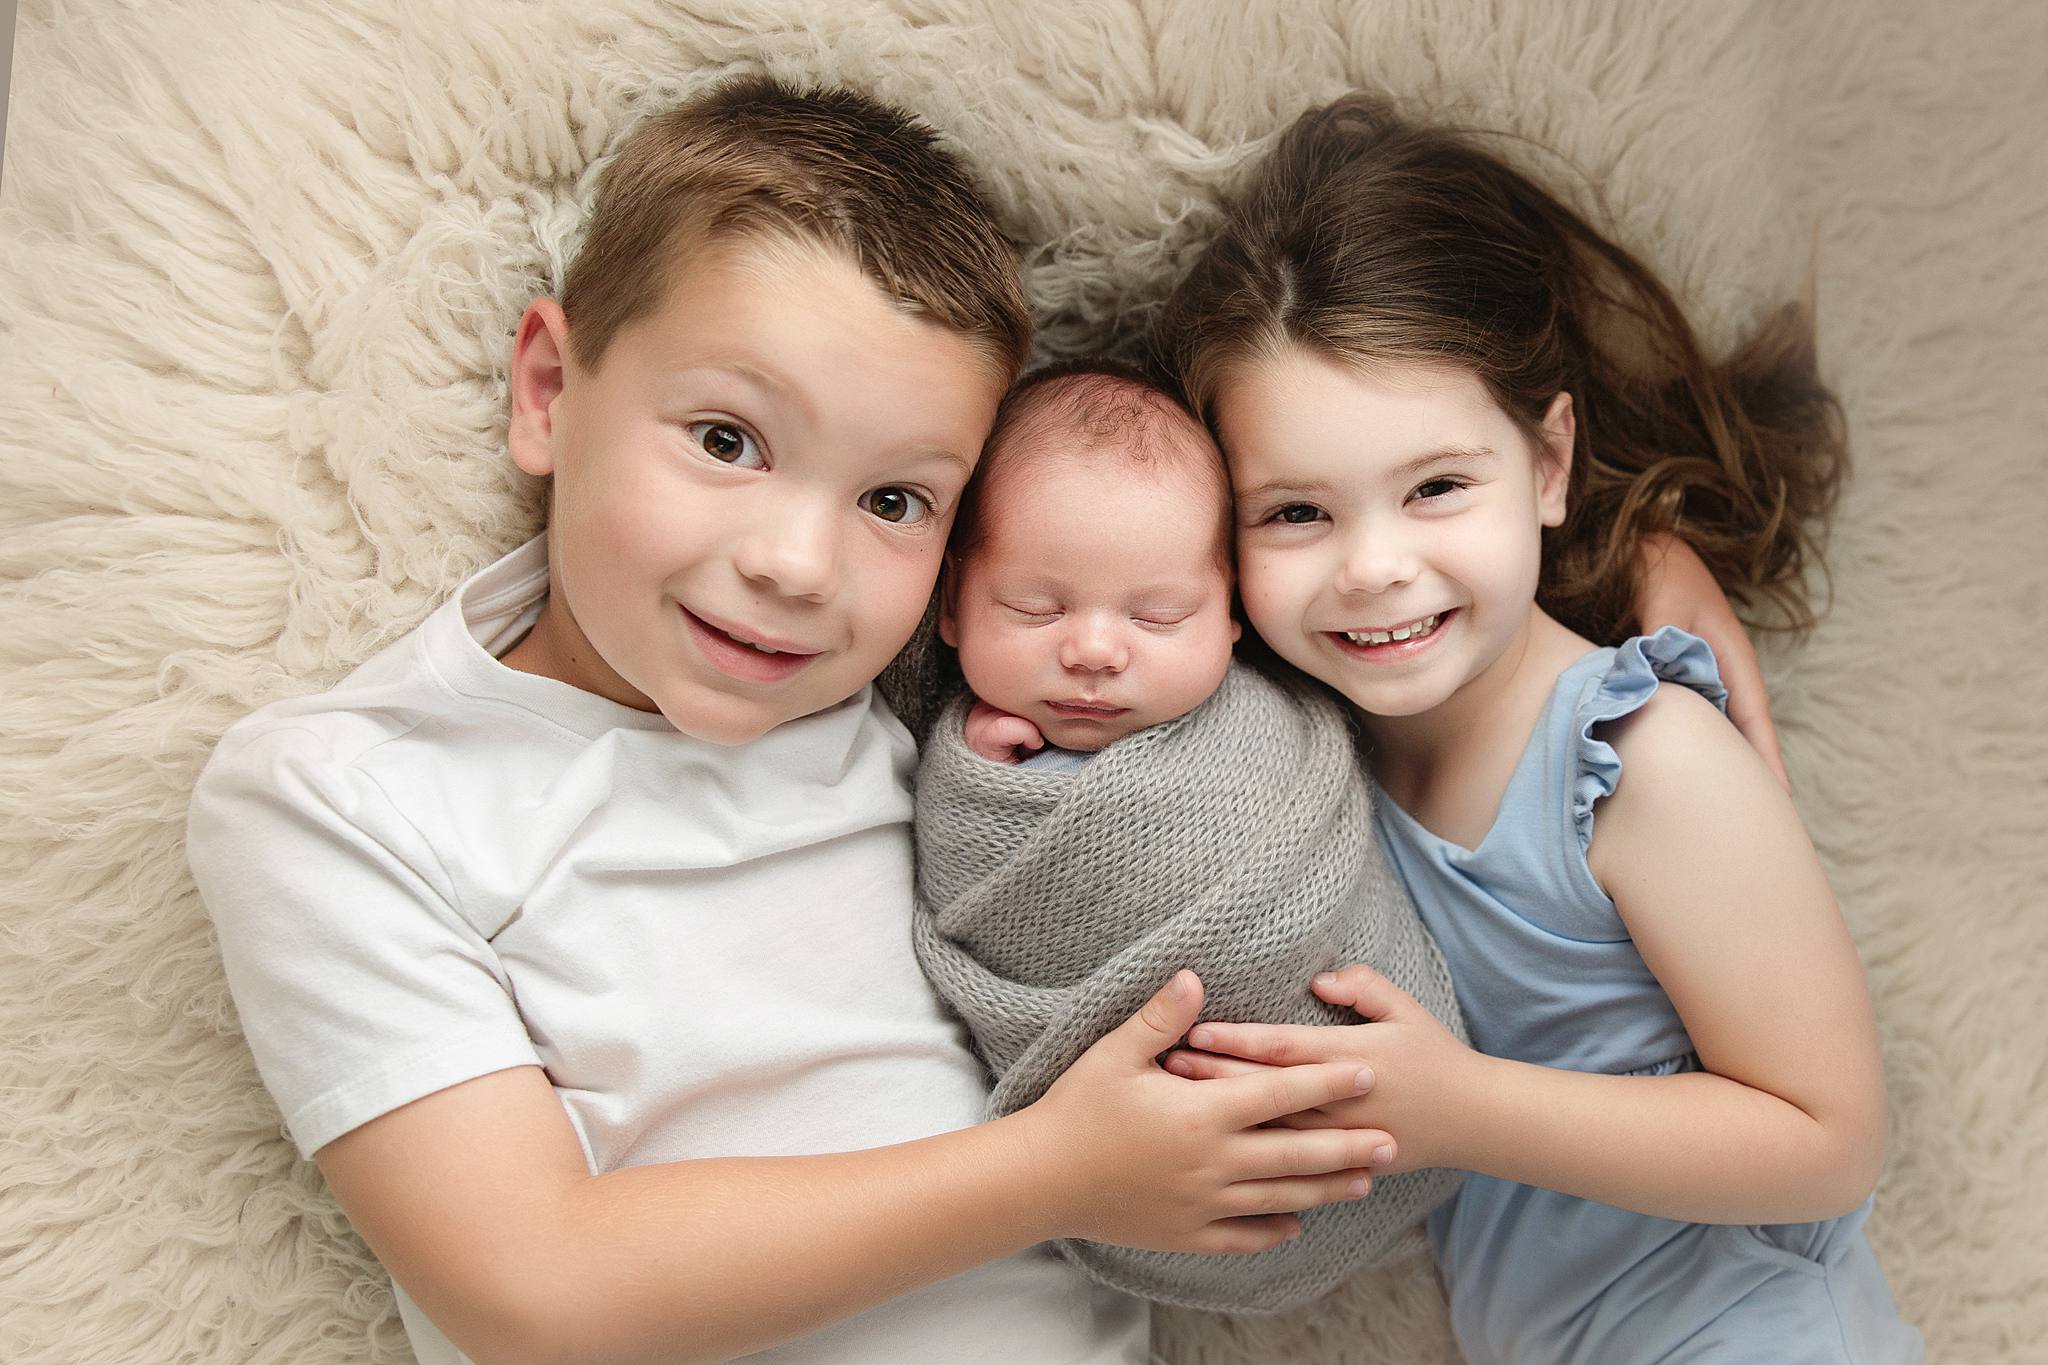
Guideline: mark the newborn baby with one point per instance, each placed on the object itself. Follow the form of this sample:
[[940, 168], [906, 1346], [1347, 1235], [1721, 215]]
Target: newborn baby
[[1117, 799], [1089, 579]]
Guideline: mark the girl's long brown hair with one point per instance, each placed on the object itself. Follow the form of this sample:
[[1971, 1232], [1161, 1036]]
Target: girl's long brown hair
[[1372, 241]]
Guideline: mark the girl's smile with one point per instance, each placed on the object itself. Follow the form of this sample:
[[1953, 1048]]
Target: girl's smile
[[1389, 523], [1394, 644]]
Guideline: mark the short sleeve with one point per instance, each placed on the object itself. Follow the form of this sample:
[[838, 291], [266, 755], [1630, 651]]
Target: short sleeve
[[1630, 680], [359, 984]]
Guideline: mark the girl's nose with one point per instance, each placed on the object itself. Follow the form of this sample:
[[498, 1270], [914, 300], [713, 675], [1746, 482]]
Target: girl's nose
[[793, 550], [1094, 645], [1377, 561]]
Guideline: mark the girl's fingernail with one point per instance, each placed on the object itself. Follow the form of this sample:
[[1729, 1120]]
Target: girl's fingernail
[[1382, 1154], [1358, 1188], [1326, 978], [1365, 1079], [1178, 987], [1200, 1037]]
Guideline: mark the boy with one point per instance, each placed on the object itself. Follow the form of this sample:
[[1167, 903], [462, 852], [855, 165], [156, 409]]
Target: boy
[[1168, 807], [568, 931]]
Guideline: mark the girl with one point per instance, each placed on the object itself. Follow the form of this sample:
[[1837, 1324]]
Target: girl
[[1430, 377]]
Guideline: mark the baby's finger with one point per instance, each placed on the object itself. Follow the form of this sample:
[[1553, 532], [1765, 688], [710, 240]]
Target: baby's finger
[[1018, 733], [1207, 1066]]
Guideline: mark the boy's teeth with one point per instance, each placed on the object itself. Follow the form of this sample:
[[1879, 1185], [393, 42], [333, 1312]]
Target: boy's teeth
[[762, 648], [1413, 631]]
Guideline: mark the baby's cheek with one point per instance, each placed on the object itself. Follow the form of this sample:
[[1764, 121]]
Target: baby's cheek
[[989, 660]]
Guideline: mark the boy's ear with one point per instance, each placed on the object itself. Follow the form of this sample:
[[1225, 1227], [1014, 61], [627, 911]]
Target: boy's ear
[[539, 374], [1554, 461], [949, 600]]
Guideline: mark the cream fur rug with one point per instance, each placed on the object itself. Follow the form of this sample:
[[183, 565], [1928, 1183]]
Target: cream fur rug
[[261, 263]]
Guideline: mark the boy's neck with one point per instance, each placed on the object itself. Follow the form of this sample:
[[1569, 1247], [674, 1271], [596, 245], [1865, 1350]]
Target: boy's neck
[[1449, 766], [557, 648]]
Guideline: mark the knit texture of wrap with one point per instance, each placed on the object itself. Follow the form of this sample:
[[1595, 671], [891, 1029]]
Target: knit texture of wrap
[[1236, 840]]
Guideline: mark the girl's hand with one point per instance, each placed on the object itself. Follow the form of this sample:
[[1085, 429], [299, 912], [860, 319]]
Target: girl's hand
[[999, 736], [1134, 1156], [1422, 1075], [1675, 588]]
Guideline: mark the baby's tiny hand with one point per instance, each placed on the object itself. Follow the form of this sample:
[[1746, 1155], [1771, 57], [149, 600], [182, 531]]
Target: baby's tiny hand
[[999, 736]]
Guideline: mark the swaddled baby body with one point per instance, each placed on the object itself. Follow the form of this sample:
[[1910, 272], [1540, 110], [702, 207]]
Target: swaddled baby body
[[1116, 799]]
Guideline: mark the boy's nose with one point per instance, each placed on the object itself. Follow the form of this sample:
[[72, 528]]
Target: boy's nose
[[794, 551]]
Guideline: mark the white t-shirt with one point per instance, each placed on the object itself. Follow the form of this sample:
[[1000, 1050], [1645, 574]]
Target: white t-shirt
[[444, 867]]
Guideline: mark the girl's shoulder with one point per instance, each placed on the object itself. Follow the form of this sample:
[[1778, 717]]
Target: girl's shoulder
[[1654, 742], [1641, 700]]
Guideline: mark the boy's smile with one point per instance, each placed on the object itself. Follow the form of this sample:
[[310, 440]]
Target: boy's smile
[[752, 487], [746, 654]]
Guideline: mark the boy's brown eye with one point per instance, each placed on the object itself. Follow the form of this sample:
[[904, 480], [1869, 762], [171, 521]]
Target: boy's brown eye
[[896, 505], [723, 442], [729, 443]]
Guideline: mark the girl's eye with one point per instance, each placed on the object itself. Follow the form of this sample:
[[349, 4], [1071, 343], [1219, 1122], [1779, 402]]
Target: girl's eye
[[1164, 619], [728, 443], [1440, 487], [1035, 614], [897, 506], [1297, 514]]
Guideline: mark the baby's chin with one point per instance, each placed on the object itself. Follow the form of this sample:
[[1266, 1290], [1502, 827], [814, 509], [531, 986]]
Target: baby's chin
[[1091, 736]]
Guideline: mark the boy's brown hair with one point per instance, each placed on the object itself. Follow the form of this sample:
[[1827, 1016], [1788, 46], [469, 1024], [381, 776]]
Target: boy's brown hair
[[753, 159]]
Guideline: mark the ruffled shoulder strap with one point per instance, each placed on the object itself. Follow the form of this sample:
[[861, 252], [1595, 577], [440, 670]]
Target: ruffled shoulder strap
[[1621, 686]]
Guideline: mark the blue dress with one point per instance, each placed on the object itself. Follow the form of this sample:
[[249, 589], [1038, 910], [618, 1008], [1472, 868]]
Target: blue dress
[[1546, 973]]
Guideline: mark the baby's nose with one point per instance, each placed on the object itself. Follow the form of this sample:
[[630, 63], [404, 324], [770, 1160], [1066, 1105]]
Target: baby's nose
[[1095, 648]]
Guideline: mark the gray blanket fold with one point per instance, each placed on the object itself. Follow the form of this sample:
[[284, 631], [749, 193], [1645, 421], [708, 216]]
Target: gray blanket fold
[[1237, 841]]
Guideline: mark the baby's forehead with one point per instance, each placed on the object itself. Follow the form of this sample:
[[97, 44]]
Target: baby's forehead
[[1092, 426], [1109, 448], [1137, 474]]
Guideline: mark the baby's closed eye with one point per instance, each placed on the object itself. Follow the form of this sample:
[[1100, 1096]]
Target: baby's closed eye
[[1033, 611]]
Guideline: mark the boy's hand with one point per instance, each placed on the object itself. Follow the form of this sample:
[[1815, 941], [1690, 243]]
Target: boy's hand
[[999, 736], [1422, 1076], [1674, 587], [1140, 1158]]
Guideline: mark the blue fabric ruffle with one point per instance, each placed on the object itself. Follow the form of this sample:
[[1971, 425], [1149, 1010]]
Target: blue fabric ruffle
[[1639, 664]]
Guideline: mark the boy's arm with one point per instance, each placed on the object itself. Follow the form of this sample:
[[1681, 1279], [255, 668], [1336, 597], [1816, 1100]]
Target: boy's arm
[[1712, 872], [478, 1201]]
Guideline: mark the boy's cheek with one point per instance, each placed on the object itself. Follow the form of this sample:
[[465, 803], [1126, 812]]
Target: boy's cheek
[[886, 604]]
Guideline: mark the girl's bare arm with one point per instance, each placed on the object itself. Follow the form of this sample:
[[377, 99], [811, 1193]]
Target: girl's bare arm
[[1714, 876]]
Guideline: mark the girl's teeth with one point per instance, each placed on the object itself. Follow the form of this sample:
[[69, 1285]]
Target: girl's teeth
[[1413, 631]]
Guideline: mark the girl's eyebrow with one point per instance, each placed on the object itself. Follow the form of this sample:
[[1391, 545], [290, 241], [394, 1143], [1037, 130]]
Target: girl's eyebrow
[[1407, 469]]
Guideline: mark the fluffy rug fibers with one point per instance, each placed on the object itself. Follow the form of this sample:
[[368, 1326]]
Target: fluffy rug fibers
[[259, 267]]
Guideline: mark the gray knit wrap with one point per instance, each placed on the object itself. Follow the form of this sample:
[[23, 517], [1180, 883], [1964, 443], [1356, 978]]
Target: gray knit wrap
[[1236, 840]]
